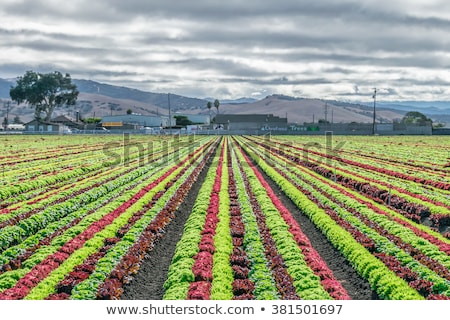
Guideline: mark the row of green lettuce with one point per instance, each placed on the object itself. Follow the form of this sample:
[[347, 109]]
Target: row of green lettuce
[[385, 282]]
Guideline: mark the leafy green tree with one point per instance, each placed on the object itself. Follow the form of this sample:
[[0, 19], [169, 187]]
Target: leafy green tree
[[129, 111], [415, 117], [44, 92], [17, 120], [182, 121]]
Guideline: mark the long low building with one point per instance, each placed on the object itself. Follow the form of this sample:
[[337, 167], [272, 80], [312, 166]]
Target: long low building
[[134, 121], [250, 122]]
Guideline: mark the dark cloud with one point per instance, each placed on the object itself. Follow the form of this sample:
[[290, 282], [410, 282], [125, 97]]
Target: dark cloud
[[235, 48]]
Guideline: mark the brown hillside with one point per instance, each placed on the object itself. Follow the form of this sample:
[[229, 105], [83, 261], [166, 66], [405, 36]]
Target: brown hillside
[[296, 110], [93, 105], [103, 105], [305, 110]]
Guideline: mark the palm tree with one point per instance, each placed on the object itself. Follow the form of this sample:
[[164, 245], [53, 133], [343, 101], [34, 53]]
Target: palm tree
[[216, 105]]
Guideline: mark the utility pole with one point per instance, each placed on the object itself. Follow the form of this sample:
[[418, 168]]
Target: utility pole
[[374, 106], [170, 115], [326, 111], [7, 115]]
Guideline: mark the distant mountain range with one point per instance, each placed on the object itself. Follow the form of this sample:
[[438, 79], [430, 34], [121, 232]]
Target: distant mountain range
[[242, 100], [428, 107], [438, 111], [99, 99]]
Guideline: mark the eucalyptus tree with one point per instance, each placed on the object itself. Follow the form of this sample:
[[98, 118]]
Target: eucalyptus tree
[[44, 92]]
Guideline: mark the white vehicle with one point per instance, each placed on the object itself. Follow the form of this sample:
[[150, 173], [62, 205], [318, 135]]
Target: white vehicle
[[100, 130], [150, 130], [13, 127]]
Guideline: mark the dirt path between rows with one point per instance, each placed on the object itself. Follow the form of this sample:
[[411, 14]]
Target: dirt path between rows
[[148, 283]]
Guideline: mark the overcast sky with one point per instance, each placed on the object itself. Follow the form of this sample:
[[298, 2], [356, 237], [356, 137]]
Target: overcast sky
[[229, 49]]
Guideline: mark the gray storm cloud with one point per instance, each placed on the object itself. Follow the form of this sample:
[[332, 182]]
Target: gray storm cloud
[[323, 49]]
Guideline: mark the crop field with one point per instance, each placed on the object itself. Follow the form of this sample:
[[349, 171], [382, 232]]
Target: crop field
[[224, 217]]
